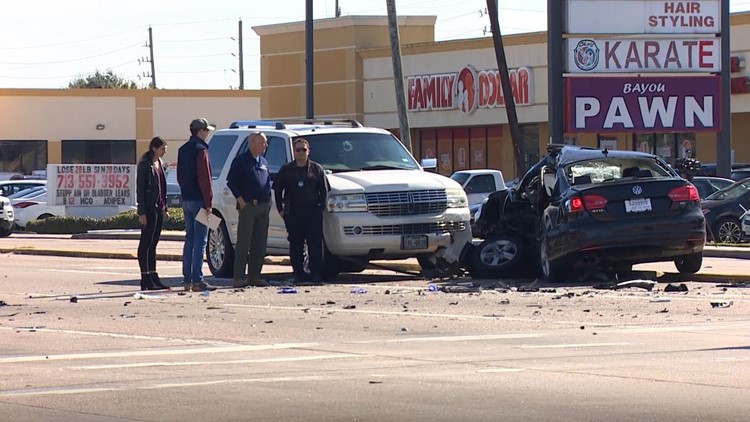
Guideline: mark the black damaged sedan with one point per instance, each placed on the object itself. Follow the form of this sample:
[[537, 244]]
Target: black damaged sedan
[[580, 208]]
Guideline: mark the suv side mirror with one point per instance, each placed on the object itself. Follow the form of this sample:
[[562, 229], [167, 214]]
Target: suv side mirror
[[429, 164]]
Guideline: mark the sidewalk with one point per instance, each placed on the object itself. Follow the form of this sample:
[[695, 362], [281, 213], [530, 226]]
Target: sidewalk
[[123, 244]]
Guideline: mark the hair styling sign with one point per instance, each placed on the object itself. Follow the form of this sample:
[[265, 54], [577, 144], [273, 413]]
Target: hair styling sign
[[633, 104]]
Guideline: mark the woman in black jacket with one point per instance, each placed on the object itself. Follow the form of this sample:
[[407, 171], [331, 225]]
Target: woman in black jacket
[[151, 192]]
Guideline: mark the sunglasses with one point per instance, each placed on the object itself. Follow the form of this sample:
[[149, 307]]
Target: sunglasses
[[301, 149]]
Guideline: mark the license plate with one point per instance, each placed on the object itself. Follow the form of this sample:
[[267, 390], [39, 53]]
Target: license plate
[[413, 241], [638, 205]]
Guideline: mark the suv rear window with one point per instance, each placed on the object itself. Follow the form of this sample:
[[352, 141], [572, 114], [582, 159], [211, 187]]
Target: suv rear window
[[219, 148], [359, 151]]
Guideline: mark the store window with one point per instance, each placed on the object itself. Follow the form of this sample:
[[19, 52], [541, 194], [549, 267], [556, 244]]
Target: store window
[[686, 145], [98, 152], [23, 156], [669, 146]]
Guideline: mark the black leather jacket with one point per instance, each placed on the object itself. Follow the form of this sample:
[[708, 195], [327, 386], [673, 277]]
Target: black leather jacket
[[147, 186]]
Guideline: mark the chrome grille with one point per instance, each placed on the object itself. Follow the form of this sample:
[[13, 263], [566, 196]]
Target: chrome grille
[[389, 204], [401, 229]]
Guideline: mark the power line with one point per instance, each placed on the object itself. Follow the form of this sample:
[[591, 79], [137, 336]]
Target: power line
[[196, 71], [200, 40], [28, 47], [474, 12], [74, 60], [195, 56]]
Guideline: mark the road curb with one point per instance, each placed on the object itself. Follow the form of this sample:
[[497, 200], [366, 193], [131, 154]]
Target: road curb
[[708, 251], [397, 266]]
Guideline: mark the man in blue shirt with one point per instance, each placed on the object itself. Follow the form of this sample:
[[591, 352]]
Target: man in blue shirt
[[249, 181]]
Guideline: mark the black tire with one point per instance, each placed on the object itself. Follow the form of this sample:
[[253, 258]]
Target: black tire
[[220, 252], [44, 216], [727, 230], [5, 233], [551, 270], [497, 256], [689, 264], [425, 263]]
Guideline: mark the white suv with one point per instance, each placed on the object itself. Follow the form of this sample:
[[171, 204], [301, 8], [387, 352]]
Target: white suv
[[382, 204]]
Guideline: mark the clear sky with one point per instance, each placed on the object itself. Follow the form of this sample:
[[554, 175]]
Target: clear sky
[[46, 43]]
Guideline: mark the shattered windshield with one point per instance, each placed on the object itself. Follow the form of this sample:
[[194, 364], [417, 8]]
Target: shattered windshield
[[611, 169], [359, 151]]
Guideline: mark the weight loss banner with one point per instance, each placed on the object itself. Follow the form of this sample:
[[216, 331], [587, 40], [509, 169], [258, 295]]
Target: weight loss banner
[[633, 104], [91, 184]]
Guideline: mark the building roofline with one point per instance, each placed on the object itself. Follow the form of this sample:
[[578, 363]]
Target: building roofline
[[343, 21]]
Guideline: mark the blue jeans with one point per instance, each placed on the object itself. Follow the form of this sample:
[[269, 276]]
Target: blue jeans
[[195, 243]]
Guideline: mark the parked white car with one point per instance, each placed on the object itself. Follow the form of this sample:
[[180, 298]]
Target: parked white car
[[11, 187], [7, 217], [32, 205]]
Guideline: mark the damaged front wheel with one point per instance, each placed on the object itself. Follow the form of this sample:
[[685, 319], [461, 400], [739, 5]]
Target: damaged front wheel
[[497, 256]]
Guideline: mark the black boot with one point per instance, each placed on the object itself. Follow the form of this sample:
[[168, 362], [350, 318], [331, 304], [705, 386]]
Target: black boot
[[156, 281], [146, 282]]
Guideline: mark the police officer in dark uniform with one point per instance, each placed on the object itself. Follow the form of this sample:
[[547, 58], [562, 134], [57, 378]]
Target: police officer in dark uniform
[[301, 189]]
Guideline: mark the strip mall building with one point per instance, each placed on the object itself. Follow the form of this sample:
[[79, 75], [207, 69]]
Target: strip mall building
[[463, 128], [456, 110]]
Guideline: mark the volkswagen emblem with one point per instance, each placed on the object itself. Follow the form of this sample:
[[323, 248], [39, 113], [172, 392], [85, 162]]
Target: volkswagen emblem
[[637, 190]]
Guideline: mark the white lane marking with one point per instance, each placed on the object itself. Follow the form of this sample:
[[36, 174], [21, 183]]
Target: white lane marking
[[732, 359], [452, 338], [213, 362], [60, 391], [56, 392], [166, 352], [360, 311], [677, 328], [500, 370], [240, 381], [408, 314], [125, 336], [568, 346]]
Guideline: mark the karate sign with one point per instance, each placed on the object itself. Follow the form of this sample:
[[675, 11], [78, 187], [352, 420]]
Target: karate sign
[[632, 104], [641, 55]]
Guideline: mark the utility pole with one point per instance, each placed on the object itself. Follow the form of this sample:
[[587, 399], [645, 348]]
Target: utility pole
[[309, 80], [151, 49], [242, 61], [510, 101], [398, 75], [555, 100], [338, 9], [724, 138]]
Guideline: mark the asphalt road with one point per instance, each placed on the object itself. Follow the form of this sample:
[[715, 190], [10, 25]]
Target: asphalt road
[[393, 352]]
